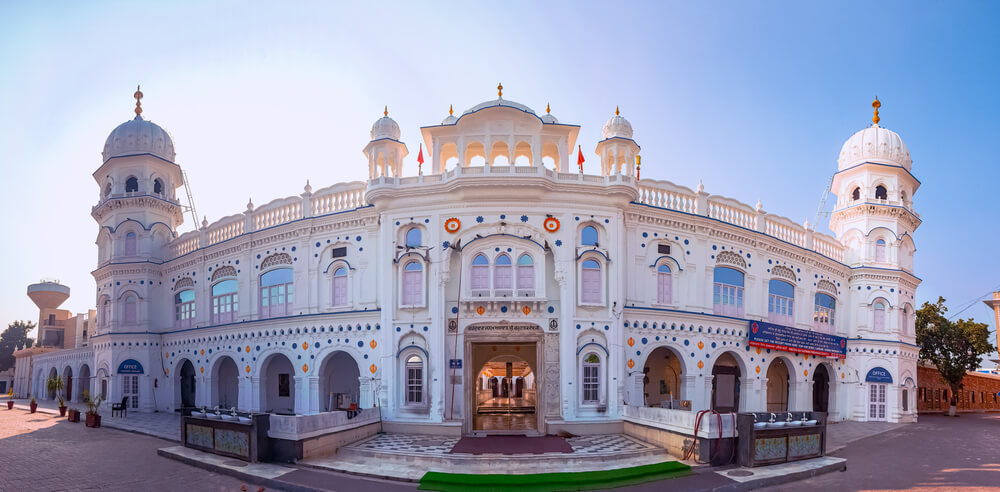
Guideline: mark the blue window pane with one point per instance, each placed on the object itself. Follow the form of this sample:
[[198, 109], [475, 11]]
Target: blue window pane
[[503, 260], [414, 266], [824, 300], [663, 269], [591, 264], [781, 288], [413, 237], [480, 260], [525, 260], [340, 272], [224, 287], [588, 237], [276, 277], [184, 296], [728, 276]]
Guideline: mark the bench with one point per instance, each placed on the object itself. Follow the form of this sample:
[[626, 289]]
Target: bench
[[121, 408]]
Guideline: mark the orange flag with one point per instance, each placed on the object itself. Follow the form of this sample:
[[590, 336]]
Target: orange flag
[[420, 160], [579, 158]]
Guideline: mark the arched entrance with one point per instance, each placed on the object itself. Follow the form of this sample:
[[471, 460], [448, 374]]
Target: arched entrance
[[777, 386], [661, 378], [821, 389], [186, 385], [506, 397], [227, 384], [277, 385], [726, 376], [45, 384], [83, 383], [339, 383], [68, 383]]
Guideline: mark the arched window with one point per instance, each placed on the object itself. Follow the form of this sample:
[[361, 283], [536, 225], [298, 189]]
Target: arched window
[[413, 237], [184, 308], [727, 291], [856, 194], [525, 276], [277, 293], [340, 287], [105, 320], [902, 197], [780, 302], [590, 292], [480, 276], [664, 285], [503, 274], [826, 306], [880, 251], [107, 190], [413, 284], [588, 236], [591, 379], [225, 301], [158, 186], [131, 185], [130, 247], [131, 309], [904, 320], [881, 193], [879, 320], [414, 380]]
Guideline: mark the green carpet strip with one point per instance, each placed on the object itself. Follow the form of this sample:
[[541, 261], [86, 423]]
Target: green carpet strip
[[567, 481]]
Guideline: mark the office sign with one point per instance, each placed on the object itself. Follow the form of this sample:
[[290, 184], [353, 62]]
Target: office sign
[[130, 366], [878, 375], [771, 336]]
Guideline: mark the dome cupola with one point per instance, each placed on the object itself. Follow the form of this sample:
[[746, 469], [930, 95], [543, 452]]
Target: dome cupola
[[874, 144], [547, 117], [450, 119], [385, 127], [139, 136], [617, 126]]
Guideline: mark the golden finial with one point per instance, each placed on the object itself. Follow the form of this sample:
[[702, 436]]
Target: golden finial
[[138, 103], [617, 112], [548, 109], [451, 109], [386, 112], [500, 90], [876, 104], [638, 165]]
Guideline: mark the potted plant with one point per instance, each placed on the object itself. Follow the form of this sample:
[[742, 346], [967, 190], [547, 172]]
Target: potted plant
[[73, 415], [93, 411], [10, 404], [33, 404], [55, 386]]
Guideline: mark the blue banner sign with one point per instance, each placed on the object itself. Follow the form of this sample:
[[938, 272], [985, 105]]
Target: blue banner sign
[[878, 375], [771, 336], [130, 366], [455, 363]]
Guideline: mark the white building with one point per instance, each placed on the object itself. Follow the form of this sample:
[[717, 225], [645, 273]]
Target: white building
[[520, 295]]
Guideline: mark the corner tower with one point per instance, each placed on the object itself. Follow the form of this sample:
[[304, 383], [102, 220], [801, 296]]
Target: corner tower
[[617, 150], [138, 214], [385, 152]]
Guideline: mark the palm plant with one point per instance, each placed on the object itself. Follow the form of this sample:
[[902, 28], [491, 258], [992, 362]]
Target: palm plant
[[55, 385]]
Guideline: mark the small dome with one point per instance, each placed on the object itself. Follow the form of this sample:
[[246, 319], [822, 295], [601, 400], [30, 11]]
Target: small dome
[[139, 136], [548, 118], [385, 127], [617, 126], [874, 144], [449, 120]]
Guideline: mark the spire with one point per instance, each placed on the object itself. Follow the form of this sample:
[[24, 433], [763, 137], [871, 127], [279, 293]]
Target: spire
[[138, 102], [451, 110], [548, 109], [876, 104], [500, 90], [386, 112], [617, 113]]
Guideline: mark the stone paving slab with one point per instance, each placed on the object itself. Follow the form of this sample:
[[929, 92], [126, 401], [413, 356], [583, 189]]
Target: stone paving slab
[[762, 476], [158, 424]]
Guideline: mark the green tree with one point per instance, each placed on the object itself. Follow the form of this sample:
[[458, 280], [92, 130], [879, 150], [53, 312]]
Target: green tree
[[954, 347], [15, 337]]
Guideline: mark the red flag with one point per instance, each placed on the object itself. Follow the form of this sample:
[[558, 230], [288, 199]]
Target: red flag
[[420, 159], [579, 158]]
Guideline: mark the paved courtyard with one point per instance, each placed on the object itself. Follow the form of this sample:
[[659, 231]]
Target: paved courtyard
[[43, 452]]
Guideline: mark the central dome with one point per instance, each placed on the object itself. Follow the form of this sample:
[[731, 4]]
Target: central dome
[[139, 136], [498, 103], [874, 144]]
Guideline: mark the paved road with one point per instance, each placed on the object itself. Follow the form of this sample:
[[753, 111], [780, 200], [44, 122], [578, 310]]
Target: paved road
[[41, 452], [938, 453]]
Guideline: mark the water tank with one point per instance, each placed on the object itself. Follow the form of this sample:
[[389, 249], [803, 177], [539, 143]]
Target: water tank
[[48, 294]]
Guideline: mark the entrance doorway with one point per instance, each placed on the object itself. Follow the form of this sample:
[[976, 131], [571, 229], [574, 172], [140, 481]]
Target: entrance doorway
[[777, 386], [821, 389], [726, 384], [876, 401], [187, 385], [130, 389], [504, 388]]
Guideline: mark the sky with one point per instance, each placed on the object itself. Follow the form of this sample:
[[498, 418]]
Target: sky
[[753, 98]]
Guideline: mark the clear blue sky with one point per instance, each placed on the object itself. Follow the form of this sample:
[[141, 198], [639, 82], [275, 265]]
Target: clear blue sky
[[755, 98]]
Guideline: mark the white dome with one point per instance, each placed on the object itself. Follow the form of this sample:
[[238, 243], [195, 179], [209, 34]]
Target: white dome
[[874, 144], [617, 126], [548, 118], [139, 136], [385, 127], [499, 102], [449, 120]]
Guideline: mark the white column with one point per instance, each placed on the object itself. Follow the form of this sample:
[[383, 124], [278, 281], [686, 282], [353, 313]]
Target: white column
[[246, 395], [315, 398], [301, 395], [256, 390]]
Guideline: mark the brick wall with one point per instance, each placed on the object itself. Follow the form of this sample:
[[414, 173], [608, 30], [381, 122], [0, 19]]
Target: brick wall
[[979, 392]]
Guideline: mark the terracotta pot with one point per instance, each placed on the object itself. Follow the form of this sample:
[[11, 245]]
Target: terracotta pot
[[62, 411], [93, 420], [10, 404], [33, 406], [74, 416]]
